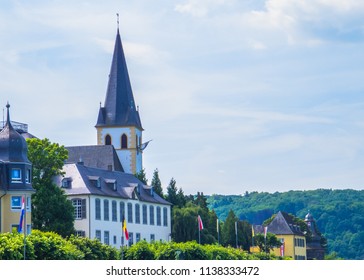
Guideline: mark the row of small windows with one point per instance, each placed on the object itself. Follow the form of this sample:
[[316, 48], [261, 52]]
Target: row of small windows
[[106, 239], [140, 216], [141, 213], [16, 175], [16, 202], [123, 141], [299, 242]]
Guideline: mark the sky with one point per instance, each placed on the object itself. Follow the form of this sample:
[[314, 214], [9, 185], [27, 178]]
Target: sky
[[236, 95]]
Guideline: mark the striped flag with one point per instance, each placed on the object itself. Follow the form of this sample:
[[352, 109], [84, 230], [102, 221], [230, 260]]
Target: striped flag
[[253, 231], [200, 224], [217, 225], [125, 230], [265, 232], [22, 213]]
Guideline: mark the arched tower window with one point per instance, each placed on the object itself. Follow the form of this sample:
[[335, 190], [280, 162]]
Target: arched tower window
[[124, 141], [108, 140]]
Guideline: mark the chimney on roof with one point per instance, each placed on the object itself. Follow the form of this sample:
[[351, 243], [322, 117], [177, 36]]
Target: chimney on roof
[[80, 161]]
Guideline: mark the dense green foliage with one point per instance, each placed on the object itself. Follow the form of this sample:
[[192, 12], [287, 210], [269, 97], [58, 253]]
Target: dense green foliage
[[51, 246], [189, 251], [51, 210], [339, 214]]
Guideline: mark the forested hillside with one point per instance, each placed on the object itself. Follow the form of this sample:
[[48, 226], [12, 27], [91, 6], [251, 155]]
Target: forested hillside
[[339, 213]]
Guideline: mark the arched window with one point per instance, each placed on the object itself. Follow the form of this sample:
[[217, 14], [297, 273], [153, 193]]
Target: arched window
[[108, 140], [124, 141]]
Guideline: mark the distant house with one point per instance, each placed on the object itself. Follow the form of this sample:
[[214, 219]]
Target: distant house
[[15, 178], [292, 238]]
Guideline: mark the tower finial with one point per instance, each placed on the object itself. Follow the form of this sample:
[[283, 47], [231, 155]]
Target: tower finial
[[8, 113], [117, 16]]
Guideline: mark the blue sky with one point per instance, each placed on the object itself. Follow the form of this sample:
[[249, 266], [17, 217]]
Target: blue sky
[[237, 95]]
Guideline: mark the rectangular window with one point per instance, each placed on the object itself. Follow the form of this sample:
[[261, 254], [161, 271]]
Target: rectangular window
[[114, 211], [28, 203], [106, 210], [97, 209], [152, 237], [15, 202], [151, 215], [137, 237], [130, 212], [122, 211], [81, 233], [106, 237], [137, 213], [145, 214], [16, 175], [98, 235], [114, 239], [79, 206], [165, 217], [131, 241], [159, 220], [28, 176]]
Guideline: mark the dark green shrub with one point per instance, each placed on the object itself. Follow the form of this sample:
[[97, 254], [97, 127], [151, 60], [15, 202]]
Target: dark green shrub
[[93, 249], [51, 246]]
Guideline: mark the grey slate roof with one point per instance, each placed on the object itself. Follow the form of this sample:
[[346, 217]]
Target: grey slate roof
[[98, 156], [119, 108], [284, 224], [281, 224], [13, 147], [82, 181]]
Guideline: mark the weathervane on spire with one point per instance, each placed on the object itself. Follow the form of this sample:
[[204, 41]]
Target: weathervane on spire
[[117, 16]]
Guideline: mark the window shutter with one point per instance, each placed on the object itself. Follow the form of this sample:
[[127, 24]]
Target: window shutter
[[83, 209]]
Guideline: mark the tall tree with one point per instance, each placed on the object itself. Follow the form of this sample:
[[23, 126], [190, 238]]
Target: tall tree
[[156, 183], [51, 210], [174, 195], [142, 176], [228, 236]]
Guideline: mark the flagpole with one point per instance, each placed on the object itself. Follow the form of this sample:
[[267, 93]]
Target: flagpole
[[265, 238], [236, 234], [199, 232], [122, 239], [218, 231], [25, 224]]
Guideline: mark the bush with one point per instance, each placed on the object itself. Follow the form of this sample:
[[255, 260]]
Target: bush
[[51, 246], [140, 251], [93, 249], [12, 247]]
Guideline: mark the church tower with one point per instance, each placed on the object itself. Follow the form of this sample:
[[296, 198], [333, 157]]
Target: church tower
[[118, 122]]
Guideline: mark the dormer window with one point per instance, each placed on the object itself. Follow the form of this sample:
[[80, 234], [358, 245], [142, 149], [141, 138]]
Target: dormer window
[[66, 183], [16, 175], [95, 181], [111, 183], [28, 176]]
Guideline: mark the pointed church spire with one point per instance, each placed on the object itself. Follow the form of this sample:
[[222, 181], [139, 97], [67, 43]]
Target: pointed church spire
[[119, 107]]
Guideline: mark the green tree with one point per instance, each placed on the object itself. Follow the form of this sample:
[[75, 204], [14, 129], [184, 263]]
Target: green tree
[[267, 245], [228, 236], [157, 184], [51, 210], [184, 227], [142, 176], [175, 196]]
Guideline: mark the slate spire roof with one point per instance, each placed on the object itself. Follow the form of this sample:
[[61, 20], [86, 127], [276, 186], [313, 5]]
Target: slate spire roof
[[119, 108], [13, 147]]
